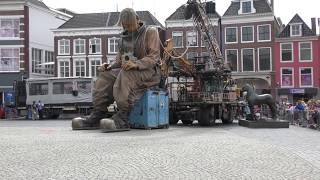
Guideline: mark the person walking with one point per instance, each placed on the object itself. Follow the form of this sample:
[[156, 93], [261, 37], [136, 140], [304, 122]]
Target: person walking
[[35, 114], [40, 107]]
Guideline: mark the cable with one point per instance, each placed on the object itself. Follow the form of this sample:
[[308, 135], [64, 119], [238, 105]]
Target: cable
[[174, 57]]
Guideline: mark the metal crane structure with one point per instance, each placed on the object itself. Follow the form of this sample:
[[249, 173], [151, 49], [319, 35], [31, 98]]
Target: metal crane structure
[[200, 88]]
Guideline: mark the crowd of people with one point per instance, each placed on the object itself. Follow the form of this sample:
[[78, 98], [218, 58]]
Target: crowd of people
[[305, 114]]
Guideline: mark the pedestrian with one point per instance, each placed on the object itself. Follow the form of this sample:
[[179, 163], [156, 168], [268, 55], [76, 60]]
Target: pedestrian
[[2, 112], [40, 107], [35, 114], [247, 111], [300, 110], [290, 113], [125, 81]]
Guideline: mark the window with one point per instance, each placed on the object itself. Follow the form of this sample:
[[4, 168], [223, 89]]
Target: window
[[9, 60], [49, 64], [94, 65], [264, 59], [232, 59], [192, 56], [306, 77], [247, 60], [95, 46], [286, 52], [36, 60], [205, 57], [9, 28], [231, 35], [38, 89], [79, 46], [113, 47], [64, 68], [79, 68], [296, 29], [246, 7], [247, 34], [287, 77], [192, 39], [64, 47], [84, 87], [62, 87], [177, 39], [305, 53], [204, 37], [264, 33]]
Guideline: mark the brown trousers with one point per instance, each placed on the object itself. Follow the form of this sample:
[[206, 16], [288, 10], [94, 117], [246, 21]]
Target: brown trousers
[[125, 87]]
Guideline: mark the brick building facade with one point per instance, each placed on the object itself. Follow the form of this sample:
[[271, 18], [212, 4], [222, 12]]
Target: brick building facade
[[23, 48], [84, 42], [297, 61], [185, 35], [249, 28]]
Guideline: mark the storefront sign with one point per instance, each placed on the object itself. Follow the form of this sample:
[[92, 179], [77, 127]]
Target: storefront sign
[[297, 91], [9, 98]]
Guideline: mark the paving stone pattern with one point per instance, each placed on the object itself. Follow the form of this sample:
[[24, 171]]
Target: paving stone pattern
[[51, 150]]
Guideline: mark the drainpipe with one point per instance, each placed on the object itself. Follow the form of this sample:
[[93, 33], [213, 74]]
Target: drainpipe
[[314, 25], [220, 36]]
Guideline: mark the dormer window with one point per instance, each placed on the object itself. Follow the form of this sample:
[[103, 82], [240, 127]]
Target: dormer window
[[246, 7], [296, 30]]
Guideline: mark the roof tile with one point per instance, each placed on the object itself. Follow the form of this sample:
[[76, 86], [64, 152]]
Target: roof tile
[[179, 14], [306, 31], [108, 19], [261, 6]]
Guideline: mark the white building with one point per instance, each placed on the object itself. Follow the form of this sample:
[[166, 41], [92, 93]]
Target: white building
[[26, 41]]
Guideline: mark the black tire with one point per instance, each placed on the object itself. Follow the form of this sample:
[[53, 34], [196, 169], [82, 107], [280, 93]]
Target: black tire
[[187, 122], [227, 117], [173, 119], [53, 113], [206, 116], [54, 116]]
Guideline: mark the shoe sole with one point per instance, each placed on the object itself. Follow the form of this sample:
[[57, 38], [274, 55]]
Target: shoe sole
[[114, 130], [85, 128]]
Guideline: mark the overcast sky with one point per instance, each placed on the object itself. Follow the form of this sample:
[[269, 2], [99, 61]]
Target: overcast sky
[[162, 9]]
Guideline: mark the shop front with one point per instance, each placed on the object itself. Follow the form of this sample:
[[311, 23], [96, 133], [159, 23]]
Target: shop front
[[292, 95], [261, 86]]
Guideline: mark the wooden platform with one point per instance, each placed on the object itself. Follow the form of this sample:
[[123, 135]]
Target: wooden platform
[[264, 124]]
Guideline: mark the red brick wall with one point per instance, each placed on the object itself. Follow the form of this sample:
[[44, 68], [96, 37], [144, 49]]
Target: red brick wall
[[104, 49], [254, 45], [197, 49], [12, 13], [25, 34], [26, 39], [296, 64]]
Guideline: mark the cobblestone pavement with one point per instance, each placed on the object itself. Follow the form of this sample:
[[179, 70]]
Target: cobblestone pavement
[[51, 150]]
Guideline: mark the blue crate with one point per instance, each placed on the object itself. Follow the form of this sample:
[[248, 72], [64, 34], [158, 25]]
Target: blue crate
[[151, 111]]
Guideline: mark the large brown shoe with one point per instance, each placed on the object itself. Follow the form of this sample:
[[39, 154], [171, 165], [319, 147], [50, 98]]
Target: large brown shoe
[[116, 123], [88, 123]]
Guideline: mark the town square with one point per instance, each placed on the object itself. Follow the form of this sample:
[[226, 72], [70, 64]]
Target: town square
[[185, 89]]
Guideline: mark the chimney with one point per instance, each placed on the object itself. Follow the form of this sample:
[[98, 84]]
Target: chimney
[[314, 25], [210, 7], [272, 5]]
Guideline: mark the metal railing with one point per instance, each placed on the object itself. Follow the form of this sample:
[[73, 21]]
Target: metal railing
[[306, 118]]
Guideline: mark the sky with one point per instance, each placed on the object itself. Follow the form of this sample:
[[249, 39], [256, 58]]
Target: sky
[[162, 9]]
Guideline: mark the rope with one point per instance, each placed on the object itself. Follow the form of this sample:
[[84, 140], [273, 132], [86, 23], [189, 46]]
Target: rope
[[185, 52], [174, 57]]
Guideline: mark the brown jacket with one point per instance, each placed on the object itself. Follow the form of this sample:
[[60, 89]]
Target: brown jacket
[[147, 50]]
